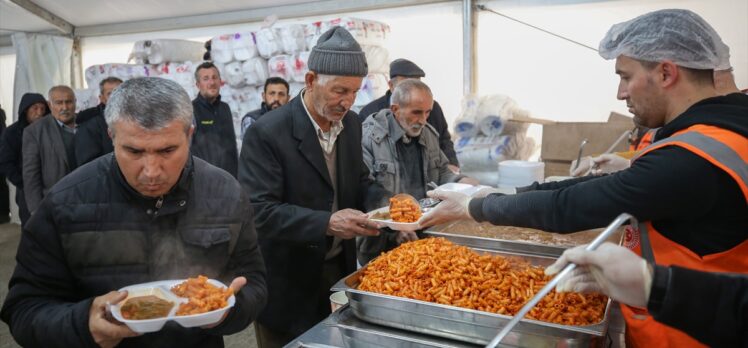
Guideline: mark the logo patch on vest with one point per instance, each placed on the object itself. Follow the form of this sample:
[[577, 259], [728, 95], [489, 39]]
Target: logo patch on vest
[[631, 237]]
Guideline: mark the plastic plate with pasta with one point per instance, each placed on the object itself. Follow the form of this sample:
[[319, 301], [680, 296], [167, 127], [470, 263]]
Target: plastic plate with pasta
[[191, 302]]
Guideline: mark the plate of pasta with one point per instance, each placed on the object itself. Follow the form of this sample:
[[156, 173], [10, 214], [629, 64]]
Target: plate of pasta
[[190, 302], [403, 214]]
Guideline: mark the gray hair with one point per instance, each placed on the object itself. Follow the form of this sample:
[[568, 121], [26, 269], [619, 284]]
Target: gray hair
[[151, 102], [60, 88], [403, 90]]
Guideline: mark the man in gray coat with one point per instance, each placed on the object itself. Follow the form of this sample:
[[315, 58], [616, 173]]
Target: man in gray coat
[[401, 150], [49, 147]]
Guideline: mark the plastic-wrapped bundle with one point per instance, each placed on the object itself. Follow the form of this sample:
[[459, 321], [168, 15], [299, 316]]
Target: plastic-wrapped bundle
[[312, 32], [233, 75], [268, 43], [493, 112], [220, 49], [96, 73], [299, 67], [139, 53], [294, 88], [376, 32], [280, 66], [243, 46], [378, 59], [466, 125], [292, 38], [255, 71], [168, 50], [373, 86], [86, 98]]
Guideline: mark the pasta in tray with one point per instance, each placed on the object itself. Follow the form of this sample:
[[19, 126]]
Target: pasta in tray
[[437, 270]]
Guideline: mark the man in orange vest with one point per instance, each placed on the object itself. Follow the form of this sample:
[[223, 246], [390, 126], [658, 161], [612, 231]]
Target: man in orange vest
[[689, 188], [668, 292]]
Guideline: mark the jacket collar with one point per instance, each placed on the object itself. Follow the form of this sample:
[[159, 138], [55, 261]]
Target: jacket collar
[[204, 102], [304, 131], [172, 202]]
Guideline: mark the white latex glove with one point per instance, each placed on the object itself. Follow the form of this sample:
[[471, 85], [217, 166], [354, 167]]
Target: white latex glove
[[453, 206], [611, 269], [585, 165], [609, 163]]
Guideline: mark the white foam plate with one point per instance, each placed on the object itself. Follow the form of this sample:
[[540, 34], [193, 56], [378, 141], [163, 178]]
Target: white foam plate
[[162, 289], [397, 226]]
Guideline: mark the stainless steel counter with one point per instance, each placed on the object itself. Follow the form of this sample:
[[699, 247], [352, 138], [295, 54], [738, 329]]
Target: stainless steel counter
[[343, 329]]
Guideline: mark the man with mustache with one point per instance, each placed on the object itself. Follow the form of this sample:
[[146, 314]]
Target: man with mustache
[[214, 139], [303, 168], [49, 147], [274, 95], [401, 150], [400, 70]]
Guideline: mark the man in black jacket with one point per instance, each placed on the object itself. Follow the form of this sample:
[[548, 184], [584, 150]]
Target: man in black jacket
[[303, 166], [690, 186], [106, 87], [32, 108], [91, 138], [214, 140], [149, 211], [401, 69], [274, 95]]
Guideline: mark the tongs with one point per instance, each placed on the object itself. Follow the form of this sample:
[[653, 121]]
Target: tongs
[[620, 220], [579, 155]]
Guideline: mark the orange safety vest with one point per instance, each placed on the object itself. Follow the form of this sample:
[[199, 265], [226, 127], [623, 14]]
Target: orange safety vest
[[728, 151], [645, 141]]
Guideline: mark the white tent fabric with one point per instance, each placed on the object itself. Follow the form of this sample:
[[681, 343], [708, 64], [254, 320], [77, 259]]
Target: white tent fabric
[[42, 61]]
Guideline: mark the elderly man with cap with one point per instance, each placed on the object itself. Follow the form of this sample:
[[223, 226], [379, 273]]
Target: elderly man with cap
[[303, 167], [689, 188], [403, 69]]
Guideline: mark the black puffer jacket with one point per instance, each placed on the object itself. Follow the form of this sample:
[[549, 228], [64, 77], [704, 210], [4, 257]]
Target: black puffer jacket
[[11, 160], [93, 233]]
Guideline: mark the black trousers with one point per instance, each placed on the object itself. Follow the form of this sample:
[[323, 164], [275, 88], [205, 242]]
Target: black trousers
[[4, 201], [23, 210], [332, 271]]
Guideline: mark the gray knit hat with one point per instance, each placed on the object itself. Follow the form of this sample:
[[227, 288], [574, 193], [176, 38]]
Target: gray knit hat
[[337, 53]]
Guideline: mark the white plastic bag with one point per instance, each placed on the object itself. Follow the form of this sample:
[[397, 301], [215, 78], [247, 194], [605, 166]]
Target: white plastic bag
[[299, 67], [280, 66], [292, 38], [255, 71], [232, 73], [268, 43], [220, 49], [243, 46]]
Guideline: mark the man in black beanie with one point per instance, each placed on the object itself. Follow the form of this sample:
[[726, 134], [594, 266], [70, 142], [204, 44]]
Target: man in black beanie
[[302, 165], [402, 69]]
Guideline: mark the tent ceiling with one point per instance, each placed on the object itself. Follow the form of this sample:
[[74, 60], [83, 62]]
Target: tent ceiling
[[96, 12]]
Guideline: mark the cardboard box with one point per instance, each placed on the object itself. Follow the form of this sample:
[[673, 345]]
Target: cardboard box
[[561, 140]]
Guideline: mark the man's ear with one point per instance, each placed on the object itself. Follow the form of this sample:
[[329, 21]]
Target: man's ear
[[394, 108], [668, 73], [309, 79]]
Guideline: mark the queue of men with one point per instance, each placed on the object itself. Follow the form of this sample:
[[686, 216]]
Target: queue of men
[[284, 219]]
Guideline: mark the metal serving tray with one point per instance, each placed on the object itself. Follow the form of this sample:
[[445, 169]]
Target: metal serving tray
[[464, 324]]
